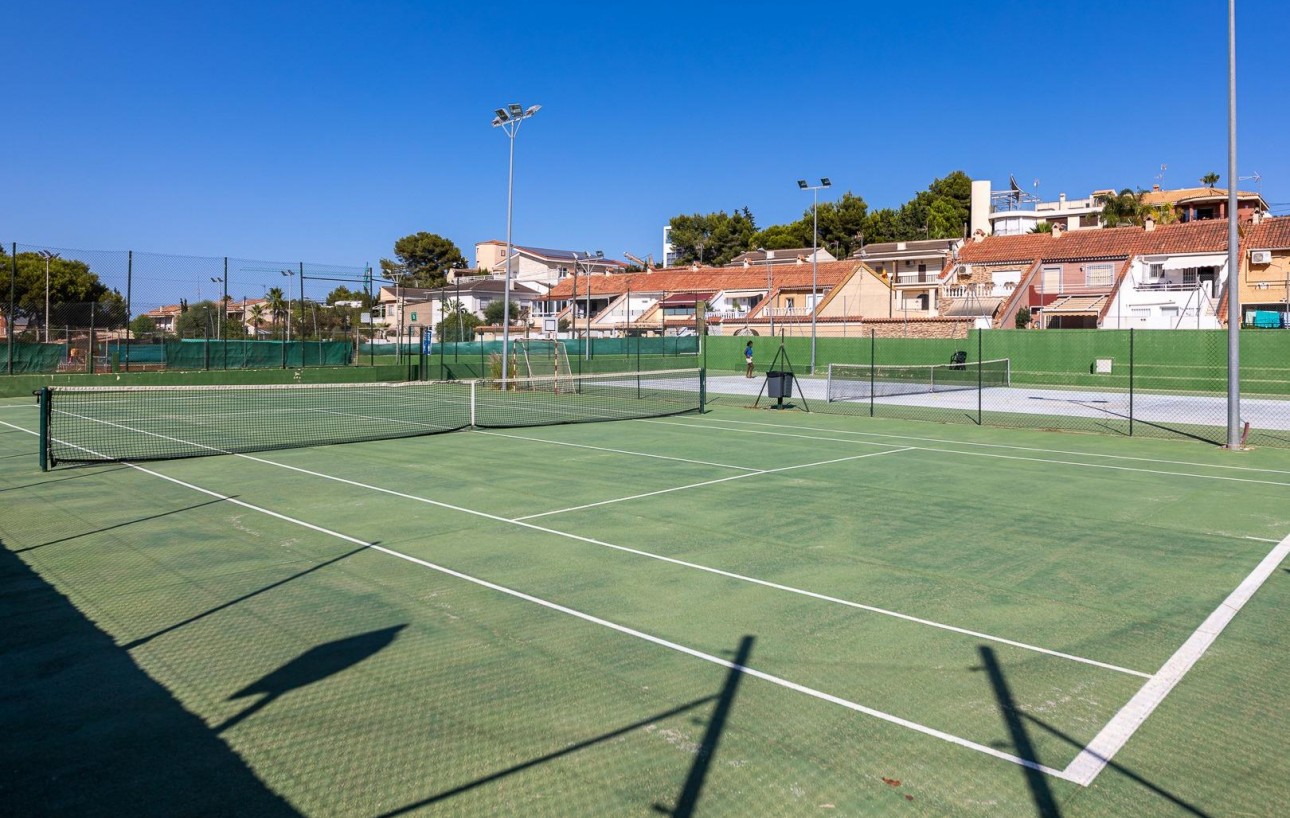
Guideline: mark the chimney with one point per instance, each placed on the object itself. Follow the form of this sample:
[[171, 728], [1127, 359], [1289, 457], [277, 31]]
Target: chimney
[[1058, 229], [1061, 199], [978, 236], [1149, 223], [1258, 217], [1155, 188]]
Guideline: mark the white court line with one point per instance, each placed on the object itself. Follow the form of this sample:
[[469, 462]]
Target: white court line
[[672, 560], [1002, 446], [622, 451], [708, 427], [623, 629], [704, 483], [1099, 752]]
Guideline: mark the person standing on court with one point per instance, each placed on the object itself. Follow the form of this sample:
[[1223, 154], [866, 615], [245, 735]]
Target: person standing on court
[[748, 358]]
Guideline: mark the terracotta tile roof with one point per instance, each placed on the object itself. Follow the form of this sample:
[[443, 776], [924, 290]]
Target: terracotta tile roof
[[705, 279], [1271, 234], [1159, 197], [1112, 242]]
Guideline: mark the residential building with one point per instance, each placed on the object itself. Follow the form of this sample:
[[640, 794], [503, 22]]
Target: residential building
[[1156, 276], [540, 267], [792, 255], [914, 270], [1264, 287], [400, 310], [1015, 212]]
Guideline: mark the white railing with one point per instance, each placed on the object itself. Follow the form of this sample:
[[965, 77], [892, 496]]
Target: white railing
[[787, 312]]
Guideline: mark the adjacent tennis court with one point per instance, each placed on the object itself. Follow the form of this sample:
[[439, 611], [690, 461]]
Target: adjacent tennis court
[[739, 612]]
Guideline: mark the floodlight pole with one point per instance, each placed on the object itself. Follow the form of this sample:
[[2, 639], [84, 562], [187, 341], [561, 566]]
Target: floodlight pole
[[815, 262], [47, 256], [288, 273], [223, 309], [509, 119], [1233, 248]]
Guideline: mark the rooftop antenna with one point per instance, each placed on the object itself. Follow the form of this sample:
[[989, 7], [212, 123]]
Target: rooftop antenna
[[1258, 180], [1160, 177]]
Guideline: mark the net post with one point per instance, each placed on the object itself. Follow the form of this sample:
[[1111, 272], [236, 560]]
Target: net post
[[979, 373], [43, 396], [474, 401], [703, 391], [873, 359], [1130, 381]]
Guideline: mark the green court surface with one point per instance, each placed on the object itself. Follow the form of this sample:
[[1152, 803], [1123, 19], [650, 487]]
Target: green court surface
[[740, 613]]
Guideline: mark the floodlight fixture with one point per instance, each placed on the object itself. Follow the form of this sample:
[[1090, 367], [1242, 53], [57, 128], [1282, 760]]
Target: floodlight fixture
[[502, 115], [533, 109], [515, 109], [801, 183], [825, 182]]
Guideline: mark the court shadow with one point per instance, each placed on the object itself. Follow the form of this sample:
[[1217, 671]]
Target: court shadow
[[693, 785], [1040, 793], [312, 666], [88, 733], [41, 483], [1120, 768], [116, 526], [1141, 422], [143, 640]]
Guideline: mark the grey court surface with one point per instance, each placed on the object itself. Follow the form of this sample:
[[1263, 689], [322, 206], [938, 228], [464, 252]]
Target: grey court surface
[[1261, 413]]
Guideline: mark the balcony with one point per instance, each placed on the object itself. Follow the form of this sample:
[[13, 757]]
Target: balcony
[[916, 278]]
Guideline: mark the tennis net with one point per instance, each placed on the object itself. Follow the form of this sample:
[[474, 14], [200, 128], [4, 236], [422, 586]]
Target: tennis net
[[865, 381], [88, 424]]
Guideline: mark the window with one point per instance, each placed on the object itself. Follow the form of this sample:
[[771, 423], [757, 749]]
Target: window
[[1052, 282], [1155, 271], [1098, 275], [788, 302], [1189, 277]]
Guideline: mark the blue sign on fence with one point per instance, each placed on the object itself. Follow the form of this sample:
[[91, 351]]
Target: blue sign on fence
[[427, 341]]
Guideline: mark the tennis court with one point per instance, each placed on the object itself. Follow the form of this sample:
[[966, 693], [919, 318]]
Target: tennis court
[[740, 612]]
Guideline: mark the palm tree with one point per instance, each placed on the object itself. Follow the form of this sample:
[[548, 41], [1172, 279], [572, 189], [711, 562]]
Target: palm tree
[[277, 304], [257, 317], [1210, 179], [1125, 208]]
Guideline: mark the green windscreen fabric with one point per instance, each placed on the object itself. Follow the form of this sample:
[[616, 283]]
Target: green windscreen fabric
[[29, 358], [207, 354]]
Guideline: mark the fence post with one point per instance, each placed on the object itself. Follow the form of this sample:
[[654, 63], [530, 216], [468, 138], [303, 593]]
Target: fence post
[[13, 284], [129, 283]]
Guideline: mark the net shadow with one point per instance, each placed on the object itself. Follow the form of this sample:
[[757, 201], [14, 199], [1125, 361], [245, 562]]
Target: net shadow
[[312, 666], [135, 521], [143, 640]]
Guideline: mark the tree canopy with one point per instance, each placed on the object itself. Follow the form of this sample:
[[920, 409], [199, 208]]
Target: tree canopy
[[458, 323], [202, 320], [711, 238], [72, 288], [942, 211], [423, 260]]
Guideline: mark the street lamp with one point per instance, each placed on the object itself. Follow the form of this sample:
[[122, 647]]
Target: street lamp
[[289, 274], [815, 262], [47, 256], [509, 119]]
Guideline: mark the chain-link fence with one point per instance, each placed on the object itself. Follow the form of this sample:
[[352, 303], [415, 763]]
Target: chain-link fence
[[1156, 383], [68, 310]]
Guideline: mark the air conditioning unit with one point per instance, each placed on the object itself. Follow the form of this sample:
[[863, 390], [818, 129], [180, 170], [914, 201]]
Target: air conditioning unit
[[1260, 256]]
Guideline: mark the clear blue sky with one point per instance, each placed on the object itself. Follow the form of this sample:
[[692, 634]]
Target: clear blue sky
[[324, 131]]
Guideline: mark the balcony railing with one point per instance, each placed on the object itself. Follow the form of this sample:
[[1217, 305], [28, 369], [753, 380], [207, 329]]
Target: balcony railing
[[916, 278], [787, 312]]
